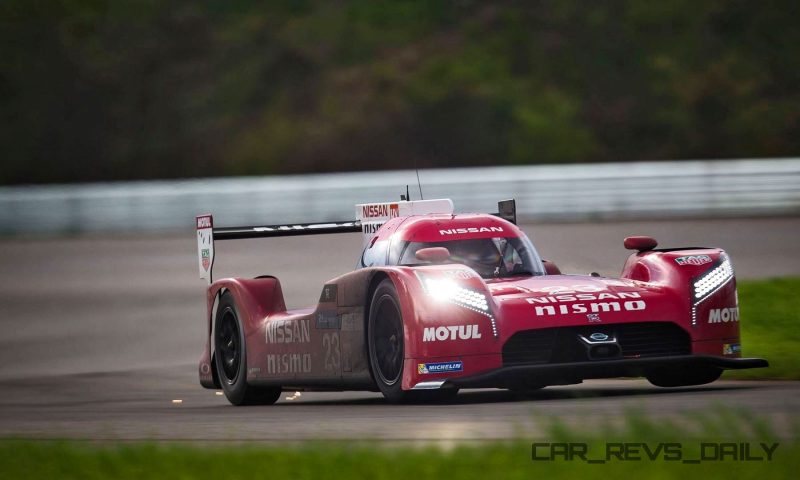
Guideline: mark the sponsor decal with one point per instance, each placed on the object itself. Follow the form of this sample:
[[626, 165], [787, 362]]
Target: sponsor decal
[[440, 367], [280, 363], [593, 317], [460, 332], [206, 256], [333, 357], [352, 322], [695, 260], [731, 348], [588, 308], [456, 231], [583, 297], [205, 246], [328, 319], [629, 306], [723, 315], [288, 331], [329, 293], [381, 210], [254, 370], [371, 227], [204, 222]]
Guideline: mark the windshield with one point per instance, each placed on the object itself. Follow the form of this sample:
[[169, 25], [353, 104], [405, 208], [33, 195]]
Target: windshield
[[490, 257]]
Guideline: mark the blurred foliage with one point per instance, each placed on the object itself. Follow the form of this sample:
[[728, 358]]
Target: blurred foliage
[[454, 458], [124, 89], [770, 327]]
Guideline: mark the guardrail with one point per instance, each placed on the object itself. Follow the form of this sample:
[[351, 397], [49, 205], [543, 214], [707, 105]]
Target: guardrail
[[543, 193]]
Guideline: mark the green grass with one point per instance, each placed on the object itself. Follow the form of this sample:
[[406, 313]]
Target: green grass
[[770, 327], [507, 460]]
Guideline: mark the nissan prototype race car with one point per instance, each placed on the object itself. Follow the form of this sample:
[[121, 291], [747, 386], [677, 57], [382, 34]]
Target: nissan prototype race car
[[442, 301]]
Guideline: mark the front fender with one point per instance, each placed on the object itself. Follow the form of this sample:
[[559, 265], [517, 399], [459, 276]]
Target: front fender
[[442, 314], [712, 317], [255, 298]]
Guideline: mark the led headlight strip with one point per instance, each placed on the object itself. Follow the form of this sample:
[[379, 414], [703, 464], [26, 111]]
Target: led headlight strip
[[710, 282], [447, 290]]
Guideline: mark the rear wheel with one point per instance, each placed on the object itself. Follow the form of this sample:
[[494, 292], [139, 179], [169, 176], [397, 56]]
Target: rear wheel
[[230, 355], [684, 377]]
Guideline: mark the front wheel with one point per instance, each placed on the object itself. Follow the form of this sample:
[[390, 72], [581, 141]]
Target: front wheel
[[230, 356], [386, 342]]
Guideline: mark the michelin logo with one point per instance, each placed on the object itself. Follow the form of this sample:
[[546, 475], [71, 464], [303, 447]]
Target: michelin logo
[[440, 367]]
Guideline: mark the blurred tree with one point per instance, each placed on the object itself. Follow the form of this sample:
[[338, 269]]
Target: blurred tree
[[124, 89]]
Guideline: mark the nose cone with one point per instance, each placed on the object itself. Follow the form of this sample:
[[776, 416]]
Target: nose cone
[[562, 300]]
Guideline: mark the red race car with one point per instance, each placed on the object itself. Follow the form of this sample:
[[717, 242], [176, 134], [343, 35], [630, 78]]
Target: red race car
[[443, 301]]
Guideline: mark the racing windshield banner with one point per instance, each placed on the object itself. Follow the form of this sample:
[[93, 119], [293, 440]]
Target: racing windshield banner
[[373, 215]]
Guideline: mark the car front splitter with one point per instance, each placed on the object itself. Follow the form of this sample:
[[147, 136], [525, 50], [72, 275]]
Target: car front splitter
[[560, 373]]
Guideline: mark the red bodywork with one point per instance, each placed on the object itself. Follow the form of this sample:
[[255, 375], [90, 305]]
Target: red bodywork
[[324, 347]]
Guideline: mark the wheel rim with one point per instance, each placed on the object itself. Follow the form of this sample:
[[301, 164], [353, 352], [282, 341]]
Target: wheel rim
[[229, 346], [387, 340]]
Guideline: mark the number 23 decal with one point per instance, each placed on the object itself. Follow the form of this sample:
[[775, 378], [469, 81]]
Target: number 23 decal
[[330, 343]]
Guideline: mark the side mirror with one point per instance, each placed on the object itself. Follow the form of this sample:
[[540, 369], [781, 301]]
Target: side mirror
[[641, 244], [550, 268], [433, 254]]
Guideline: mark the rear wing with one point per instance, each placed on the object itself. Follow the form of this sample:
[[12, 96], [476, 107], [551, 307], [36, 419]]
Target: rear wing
[[207, 235], [369, 218], [372, 216]]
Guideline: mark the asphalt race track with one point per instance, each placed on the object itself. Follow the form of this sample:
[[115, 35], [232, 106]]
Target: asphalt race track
[[102, 334]]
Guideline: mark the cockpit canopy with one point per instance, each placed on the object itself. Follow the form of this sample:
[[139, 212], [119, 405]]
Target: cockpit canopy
[[489, 245]]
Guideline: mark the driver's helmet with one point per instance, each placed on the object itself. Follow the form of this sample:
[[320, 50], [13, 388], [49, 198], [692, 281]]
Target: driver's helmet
[[480, 254]]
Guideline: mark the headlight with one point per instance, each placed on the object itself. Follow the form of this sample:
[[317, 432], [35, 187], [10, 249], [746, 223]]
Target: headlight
[[713, 279], [710, 282], [447, 290]]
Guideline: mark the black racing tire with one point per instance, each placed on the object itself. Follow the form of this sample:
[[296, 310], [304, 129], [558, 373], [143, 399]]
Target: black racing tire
[[684, 377], [385, 342], [230, 357]]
